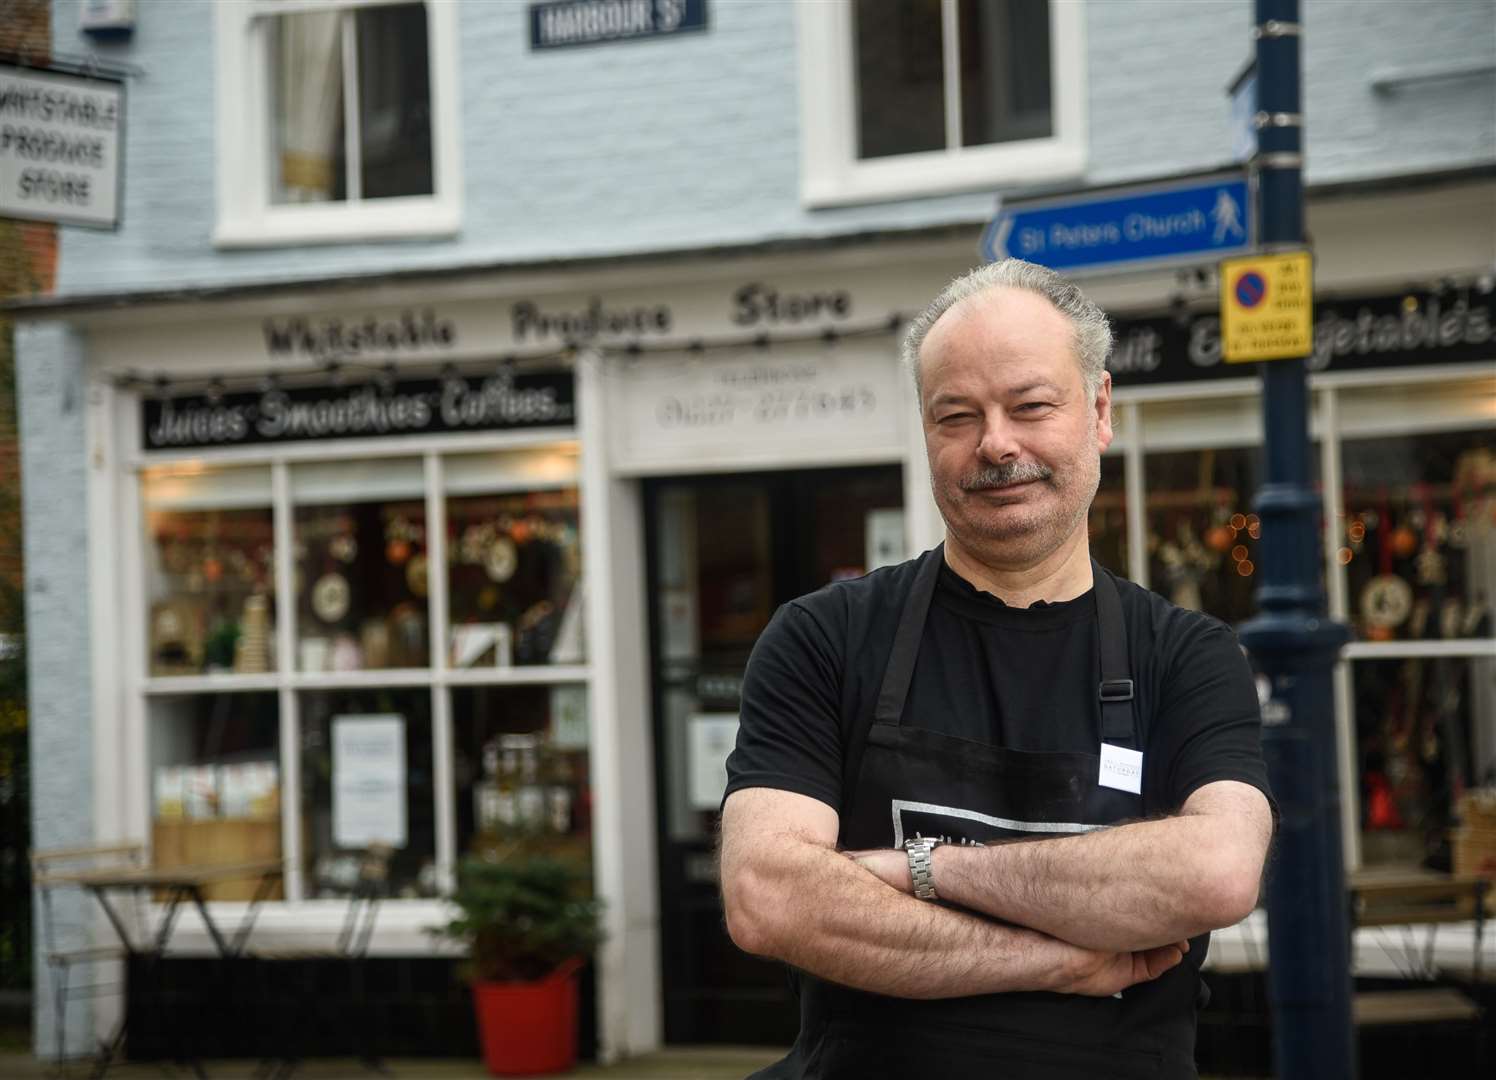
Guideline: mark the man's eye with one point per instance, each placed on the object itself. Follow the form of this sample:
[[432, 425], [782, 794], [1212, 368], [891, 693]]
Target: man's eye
[[1034, 406]]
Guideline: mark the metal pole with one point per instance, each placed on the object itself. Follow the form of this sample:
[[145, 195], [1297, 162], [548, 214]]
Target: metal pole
[[1292, 639]]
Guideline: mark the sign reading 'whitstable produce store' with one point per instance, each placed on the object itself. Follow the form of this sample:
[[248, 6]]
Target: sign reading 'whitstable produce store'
[[59, 147], [563, 23], [499, 402]]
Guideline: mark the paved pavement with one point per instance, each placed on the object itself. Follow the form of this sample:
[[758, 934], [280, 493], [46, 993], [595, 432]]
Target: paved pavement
[[706, 1063]]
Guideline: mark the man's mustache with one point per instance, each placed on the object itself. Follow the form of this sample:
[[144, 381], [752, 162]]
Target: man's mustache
[[1001, 476]]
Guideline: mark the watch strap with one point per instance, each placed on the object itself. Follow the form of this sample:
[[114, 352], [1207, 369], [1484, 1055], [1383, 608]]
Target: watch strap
[[920, 865]]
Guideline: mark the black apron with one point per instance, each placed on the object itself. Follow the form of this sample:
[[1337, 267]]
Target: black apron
[[906, 781]]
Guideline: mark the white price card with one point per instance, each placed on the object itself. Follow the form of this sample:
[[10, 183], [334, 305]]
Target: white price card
[[368, 781]]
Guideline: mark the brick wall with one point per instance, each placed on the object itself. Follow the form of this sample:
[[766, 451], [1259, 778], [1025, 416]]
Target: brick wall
[[28, 264]]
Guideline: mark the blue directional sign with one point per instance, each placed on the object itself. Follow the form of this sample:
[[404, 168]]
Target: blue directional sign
[[1197, 219]]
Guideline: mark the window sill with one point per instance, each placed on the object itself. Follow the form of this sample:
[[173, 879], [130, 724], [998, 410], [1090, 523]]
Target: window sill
[[381, 678], [944, 173], [390, 219], [402, 929]]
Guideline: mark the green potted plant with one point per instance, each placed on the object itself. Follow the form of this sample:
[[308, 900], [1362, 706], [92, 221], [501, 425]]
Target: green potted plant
[[529, 921]]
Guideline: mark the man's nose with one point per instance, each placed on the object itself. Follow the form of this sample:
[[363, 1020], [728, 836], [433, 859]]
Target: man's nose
[[999, 439]]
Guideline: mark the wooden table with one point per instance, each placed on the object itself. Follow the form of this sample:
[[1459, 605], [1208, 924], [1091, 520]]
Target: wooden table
[[179, 883]]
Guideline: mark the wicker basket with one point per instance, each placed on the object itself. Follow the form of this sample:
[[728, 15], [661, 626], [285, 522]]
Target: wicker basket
[[1475, 839]]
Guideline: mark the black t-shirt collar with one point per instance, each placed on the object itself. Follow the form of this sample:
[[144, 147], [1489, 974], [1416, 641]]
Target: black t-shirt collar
[[957, 594]]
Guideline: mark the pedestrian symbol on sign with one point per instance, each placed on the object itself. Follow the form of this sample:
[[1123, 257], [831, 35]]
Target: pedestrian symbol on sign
[[1227, 217], [1251, 288]]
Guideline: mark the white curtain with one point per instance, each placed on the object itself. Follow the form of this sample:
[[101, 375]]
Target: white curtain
[[309, 116]]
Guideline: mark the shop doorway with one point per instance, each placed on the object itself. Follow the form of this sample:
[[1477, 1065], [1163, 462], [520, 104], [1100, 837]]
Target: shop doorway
[[724, 553]]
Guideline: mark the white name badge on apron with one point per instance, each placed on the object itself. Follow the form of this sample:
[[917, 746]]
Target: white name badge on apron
[[1121, 768]]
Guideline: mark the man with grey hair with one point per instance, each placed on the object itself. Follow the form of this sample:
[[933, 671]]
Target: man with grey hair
[[900, 731]]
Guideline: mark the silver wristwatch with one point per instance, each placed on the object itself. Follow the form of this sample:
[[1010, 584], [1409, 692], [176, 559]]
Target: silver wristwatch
[[919, 866]]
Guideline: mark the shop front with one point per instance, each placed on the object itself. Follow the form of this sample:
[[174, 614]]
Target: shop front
[[435, 572], [433, 562]]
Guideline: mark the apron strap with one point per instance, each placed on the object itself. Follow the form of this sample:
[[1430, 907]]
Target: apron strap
[[899, 672], [1116, 690]]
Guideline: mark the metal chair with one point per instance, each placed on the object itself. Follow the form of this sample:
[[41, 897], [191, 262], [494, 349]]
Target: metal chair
[[351, 948], [53, 870]]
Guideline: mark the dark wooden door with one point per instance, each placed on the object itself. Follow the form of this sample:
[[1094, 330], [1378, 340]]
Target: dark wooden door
[[724, 553]]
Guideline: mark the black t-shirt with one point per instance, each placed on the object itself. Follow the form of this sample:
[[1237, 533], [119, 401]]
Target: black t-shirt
[[1021, 678]]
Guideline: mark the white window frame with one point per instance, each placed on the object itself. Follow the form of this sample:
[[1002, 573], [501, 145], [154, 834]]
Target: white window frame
[[831, 174], [437, 678], [246, 215]]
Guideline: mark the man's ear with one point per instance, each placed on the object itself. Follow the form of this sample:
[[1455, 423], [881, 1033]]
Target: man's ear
[[1103, 408]]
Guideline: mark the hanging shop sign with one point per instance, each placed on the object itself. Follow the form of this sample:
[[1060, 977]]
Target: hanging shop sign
[[1267, 307], [60, 138], [1349, 334], [595, 22], [455, 403]]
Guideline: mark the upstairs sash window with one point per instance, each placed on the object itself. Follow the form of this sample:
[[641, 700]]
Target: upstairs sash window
[[337, 120], [917, 97]]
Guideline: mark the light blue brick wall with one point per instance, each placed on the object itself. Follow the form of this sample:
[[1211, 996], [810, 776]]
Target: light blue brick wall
[[693, 141], [54, 485]]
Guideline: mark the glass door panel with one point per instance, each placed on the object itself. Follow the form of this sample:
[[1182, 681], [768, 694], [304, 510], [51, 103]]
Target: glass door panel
[[725, 553]]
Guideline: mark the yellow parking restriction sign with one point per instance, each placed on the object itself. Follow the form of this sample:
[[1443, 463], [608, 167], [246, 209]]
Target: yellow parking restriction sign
[[1267, 307]]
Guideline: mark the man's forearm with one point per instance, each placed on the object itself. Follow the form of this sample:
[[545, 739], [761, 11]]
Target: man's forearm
[[813, 908], [790, 895], [1133, 886]]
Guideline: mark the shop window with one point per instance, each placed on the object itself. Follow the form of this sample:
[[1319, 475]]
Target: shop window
[[210, 571], [1418, 536], [1426, 732], [1203, 537], [361, 567], [351, 120], [514, 559], [1108, 521], [919, 96], [521, 769], [216, 783], [366, 778]]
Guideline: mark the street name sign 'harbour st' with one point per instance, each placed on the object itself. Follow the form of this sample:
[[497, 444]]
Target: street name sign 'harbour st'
[[1193, 219]]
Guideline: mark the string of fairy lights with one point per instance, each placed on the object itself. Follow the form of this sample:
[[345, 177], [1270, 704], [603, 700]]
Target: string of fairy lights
[[341, 369], [338, 369]]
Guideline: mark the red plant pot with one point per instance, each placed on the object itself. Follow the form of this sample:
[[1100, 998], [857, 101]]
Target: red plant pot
[[529, 1028]]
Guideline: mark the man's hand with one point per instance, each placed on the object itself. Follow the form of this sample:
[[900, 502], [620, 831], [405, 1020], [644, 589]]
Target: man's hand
[[889, 865], [1102, 974]]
